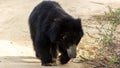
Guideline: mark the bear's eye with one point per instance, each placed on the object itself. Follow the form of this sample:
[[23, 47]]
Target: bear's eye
[[64, 37], [67, 37]]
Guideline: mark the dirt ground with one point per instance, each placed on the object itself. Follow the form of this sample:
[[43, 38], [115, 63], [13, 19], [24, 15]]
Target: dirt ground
[[15, 45]]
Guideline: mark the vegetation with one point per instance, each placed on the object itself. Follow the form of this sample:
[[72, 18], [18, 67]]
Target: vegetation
[[114, 59], [107, 31], [108, 24], [107, 51]]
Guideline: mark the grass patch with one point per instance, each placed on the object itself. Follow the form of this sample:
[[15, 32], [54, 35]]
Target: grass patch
[[107, 30], [108, 24], [114, 60]]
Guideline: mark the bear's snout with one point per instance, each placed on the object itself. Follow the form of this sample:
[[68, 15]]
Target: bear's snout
[[72, 51]]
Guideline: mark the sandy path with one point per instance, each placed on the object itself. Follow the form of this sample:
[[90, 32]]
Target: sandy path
[[14, 31]]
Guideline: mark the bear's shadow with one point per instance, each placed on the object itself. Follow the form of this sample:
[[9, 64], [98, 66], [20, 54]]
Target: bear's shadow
[[18, 59]]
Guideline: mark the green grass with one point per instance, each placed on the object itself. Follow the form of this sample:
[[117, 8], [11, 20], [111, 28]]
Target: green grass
[[113, 19], [114, 60], [107, 25]]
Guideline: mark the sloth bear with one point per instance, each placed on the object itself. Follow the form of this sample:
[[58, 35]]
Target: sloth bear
[[53, 30]]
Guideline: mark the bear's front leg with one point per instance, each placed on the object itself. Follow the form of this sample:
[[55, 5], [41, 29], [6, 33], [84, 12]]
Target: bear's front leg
[[63, 58], [54, 54]]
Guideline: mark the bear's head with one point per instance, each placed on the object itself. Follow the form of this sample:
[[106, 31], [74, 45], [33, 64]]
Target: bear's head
[[67, 33]]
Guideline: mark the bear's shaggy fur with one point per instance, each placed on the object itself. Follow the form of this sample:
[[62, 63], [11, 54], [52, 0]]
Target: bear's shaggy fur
[[52, 29]]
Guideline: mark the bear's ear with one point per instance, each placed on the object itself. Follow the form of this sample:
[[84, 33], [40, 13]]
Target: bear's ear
[[53, 32], [78, 20], [78, 23]]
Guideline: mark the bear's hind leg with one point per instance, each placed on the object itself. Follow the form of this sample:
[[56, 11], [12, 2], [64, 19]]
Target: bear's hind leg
[[42, 49]]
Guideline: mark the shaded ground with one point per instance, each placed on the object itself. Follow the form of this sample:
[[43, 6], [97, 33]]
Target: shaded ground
[[16, 47]]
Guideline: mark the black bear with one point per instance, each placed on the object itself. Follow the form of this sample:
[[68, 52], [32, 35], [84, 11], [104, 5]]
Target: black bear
[[53, 30]]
